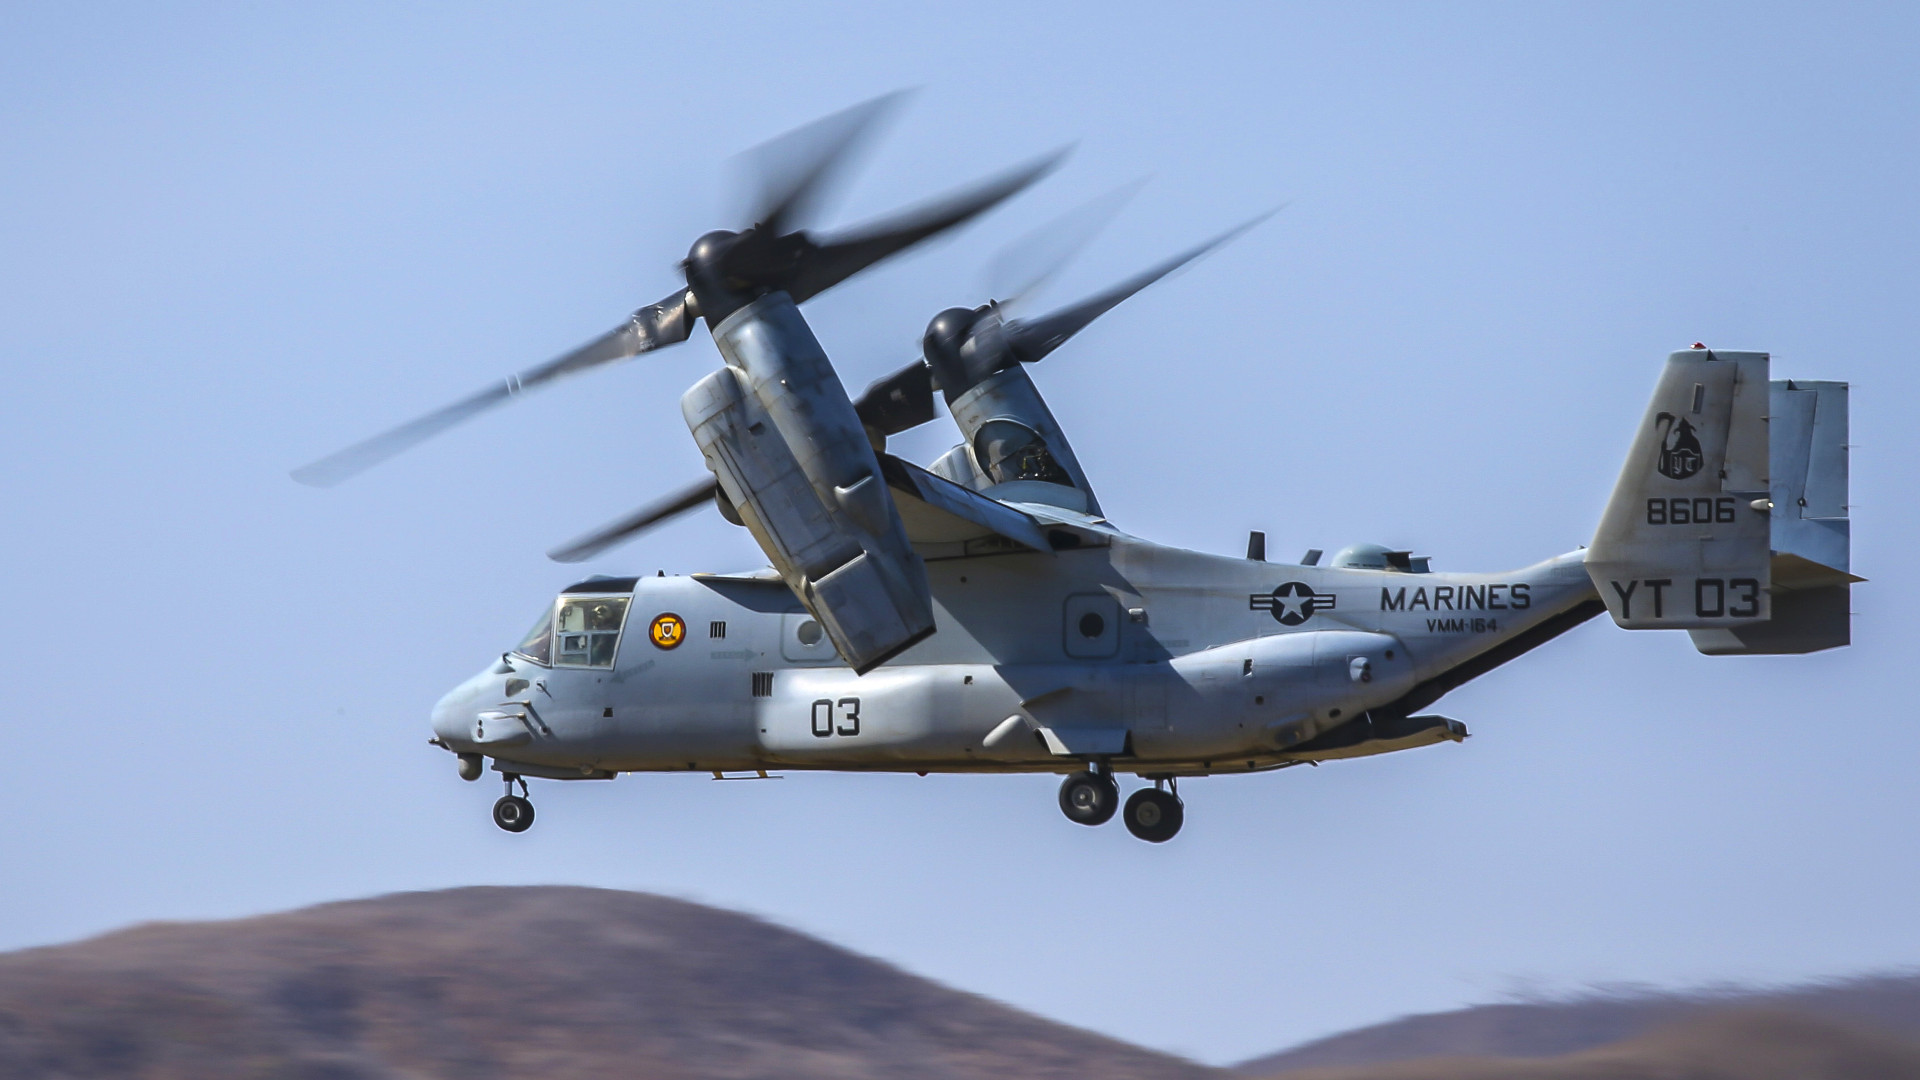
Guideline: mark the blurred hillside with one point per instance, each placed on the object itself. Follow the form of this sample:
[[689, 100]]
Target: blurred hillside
[[513, 982], [1865, 1027], [570, 982], [1739, 1044]]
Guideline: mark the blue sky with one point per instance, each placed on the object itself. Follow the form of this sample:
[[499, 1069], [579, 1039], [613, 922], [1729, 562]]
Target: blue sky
[[235, 237]]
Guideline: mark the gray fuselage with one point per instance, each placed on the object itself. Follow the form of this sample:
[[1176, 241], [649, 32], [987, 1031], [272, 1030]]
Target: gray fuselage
[[1149, 659]]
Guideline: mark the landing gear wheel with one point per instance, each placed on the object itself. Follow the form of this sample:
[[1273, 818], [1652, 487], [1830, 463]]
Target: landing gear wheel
[[1154, 815], [513, 813], [1089, 798]]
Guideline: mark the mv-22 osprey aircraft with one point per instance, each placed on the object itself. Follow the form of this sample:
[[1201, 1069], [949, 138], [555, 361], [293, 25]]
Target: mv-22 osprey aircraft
[[981, 614]]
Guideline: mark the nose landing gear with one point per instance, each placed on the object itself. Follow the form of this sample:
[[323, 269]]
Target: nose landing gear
[[513, 812]]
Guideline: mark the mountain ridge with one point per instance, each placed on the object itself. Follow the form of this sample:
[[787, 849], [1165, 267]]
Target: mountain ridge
[[550, 981], [1886, 1003], [1728, 1044], [565, 981]]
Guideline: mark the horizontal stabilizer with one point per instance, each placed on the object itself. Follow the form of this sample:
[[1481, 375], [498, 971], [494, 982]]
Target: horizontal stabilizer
[[1804, 621]]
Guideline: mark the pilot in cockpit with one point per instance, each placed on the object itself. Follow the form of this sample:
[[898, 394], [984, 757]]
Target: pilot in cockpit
[[1008, 450]]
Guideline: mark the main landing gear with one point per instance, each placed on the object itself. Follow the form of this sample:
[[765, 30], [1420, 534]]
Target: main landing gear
[[1089, 798], [513, 812], [1152, 814]]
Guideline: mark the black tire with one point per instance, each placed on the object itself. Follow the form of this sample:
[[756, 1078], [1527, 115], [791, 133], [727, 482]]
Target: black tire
[[513, 813], [1089, 798], [1154, 816]]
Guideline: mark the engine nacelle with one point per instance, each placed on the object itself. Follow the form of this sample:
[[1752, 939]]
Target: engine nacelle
[[1012, 443], [792, 457]]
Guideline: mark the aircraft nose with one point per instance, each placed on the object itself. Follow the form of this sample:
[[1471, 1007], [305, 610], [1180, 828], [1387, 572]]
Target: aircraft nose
[[452, 717], [447, 721]]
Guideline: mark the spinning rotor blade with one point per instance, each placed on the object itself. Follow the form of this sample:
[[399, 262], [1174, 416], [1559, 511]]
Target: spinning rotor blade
[[963, 347], [586, 547], [795, 171], [1028, 263], [828, 262], [1032, 340], [904, 400], [654, 326]]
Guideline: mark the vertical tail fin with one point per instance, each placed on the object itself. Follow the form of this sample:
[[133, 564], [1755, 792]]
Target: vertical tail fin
[[1685, 541], [1729, 518]]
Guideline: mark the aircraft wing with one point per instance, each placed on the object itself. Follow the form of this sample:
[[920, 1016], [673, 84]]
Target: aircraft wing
[[938, 512]]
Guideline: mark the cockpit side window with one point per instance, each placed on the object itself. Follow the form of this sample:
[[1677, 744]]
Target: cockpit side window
[[586, 630], [537, 646], [1008, 451]]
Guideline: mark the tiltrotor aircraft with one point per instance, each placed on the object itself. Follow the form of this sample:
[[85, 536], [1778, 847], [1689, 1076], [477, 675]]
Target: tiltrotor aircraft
[[981, 614]]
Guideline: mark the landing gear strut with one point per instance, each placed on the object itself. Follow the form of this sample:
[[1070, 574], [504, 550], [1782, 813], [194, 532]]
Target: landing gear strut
[[1089, 798], [513, 812], [1154, 815]]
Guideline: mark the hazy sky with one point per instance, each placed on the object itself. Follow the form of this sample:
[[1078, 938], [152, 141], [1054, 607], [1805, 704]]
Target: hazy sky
[[233, 238]]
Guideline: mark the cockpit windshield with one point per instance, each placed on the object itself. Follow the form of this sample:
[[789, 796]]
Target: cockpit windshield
[[537, 646], [586, 630], [1009, 451], [583, 631]]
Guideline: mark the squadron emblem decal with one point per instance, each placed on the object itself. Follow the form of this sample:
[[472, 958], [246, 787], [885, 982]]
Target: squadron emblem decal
[[1292, 603], [1680, 455], [668, 630]]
